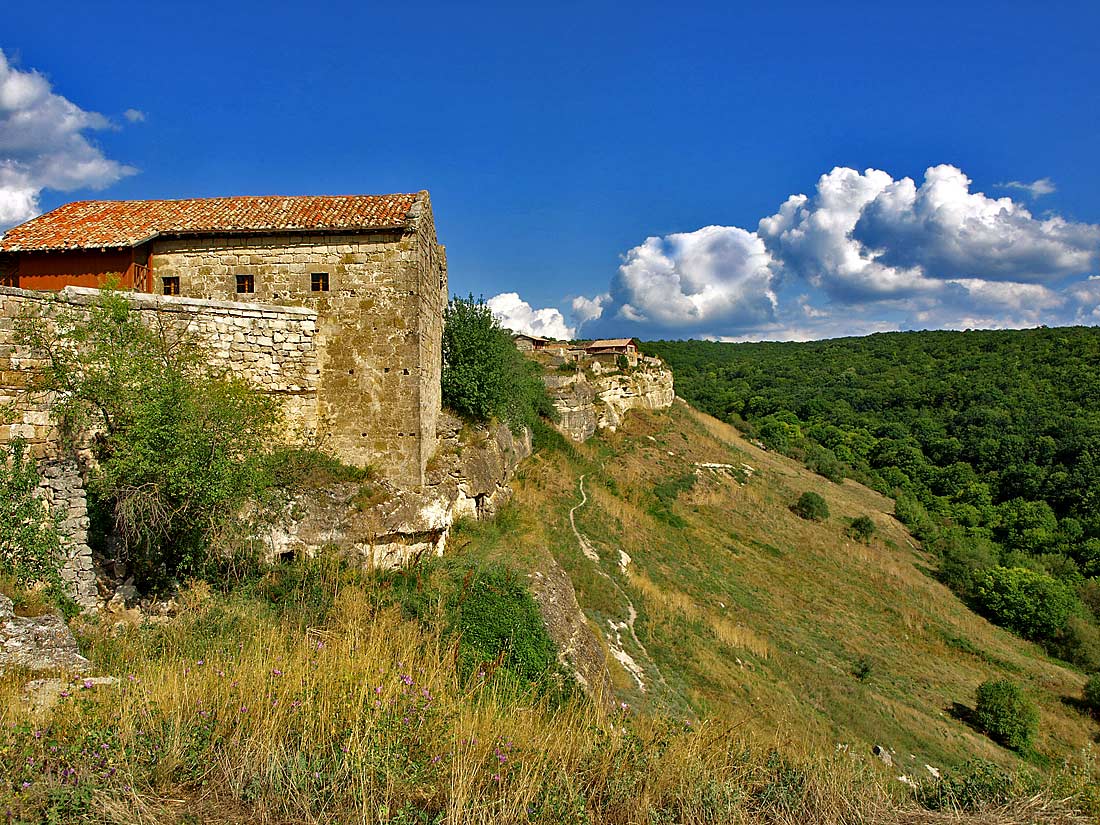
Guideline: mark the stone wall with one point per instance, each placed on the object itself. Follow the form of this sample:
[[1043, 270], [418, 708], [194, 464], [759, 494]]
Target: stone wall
[[380, 325], [272, 347]]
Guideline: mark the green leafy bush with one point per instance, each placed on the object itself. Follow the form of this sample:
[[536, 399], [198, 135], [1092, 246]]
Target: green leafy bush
[[1091, 693], [484, 375], [179, 450], [500, 628], [1033, 604], [861, 528], [29, 546], [969, 787], [1004, 712], [811, 507]]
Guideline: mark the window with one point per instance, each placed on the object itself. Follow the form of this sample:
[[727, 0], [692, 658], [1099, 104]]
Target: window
[[245, 283], [318, 282], [170, 286]]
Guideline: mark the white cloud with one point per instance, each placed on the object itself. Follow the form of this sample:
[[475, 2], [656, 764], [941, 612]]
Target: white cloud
[[863, 252], [717, 274], [134, 115], [519, 316], [1036, 189], [44, 144], [589, 309]]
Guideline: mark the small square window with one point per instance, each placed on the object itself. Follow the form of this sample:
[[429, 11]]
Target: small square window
[[170, 286], [245, 283], [318, 282]]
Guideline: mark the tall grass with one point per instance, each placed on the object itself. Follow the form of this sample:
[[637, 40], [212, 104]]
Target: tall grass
[[238, 711]]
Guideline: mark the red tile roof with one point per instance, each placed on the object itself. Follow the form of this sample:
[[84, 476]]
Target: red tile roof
[[610, 343], [96, 224]]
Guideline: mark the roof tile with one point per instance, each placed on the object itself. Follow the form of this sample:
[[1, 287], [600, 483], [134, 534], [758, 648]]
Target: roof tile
[[95, 224]]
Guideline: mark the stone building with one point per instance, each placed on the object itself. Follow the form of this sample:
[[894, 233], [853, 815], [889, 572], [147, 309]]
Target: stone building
[[368, 265], [608, 350]]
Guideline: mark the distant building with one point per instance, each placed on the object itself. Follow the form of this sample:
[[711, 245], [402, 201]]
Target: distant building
[[369, 265], [608, 350], [529, 343]]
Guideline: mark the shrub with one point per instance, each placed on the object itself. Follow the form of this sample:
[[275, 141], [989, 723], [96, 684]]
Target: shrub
[[179, 449], [1006, 714], [861, 528], [484, 375], [499, 626], [1091, 693], [811, 506], [29, 546], [824, 462], [622, 362], [1079, 642], [1033, 604], [969, 787]]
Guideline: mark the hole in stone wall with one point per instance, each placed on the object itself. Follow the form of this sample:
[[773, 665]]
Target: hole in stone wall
[[285, 557], [385, 369], [351, 372], [404, 372], [362, 435]]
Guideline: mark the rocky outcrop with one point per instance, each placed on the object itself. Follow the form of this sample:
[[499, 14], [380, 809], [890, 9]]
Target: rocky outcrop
[[385, 526], [37, 642], [579, 647], [589, 401]]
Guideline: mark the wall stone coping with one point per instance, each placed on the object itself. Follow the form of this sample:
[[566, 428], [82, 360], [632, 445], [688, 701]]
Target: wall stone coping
[[86, 295]]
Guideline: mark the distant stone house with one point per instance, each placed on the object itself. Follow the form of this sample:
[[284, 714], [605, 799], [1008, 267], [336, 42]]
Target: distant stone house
[[529, 343], [369, 265], [608, 350]]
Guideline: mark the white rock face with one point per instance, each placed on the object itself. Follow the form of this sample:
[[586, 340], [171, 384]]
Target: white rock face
[[586, 404]]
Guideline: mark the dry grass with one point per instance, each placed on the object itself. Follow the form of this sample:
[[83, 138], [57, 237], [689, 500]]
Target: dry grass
[[231, 715]]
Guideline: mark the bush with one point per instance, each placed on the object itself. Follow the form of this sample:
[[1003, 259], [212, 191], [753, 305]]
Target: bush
[[500, 628], [484, 375], [1033, 604], [811, 506], [1091, 693], [969, 787], [1079, 642], [1006, 714], [861, 528], [824, 462], [179, 450], [29, 546]]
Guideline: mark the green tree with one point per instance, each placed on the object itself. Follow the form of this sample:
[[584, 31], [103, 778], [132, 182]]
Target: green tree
[[1033, 604], [1091, 693], [179, 450], [1004, 712], [484, 375]]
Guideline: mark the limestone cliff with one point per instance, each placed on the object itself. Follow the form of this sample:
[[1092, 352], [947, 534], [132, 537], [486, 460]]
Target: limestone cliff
[[387, 526], [588, 400]]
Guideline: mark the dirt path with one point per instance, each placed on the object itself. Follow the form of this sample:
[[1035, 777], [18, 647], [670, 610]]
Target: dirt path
[[614, 639]]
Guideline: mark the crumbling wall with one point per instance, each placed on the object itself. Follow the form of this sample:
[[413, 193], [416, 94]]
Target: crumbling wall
[[272, 347]]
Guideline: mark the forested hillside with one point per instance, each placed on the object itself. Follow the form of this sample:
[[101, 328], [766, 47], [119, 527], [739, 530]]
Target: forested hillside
[[988, 440]]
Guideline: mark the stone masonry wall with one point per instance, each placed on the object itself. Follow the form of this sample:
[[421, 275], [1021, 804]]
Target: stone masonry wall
[[274, 348], [379, 325]]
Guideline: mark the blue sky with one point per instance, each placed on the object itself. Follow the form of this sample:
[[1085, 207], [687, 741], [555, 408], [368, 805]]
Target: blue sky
[[635, 157]]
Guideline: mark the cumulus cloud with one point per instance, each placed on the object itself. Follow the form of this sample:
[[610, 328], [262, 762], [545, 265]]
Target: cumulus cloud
[[863, 252], [589, 309], [519, 316], [44, 144], [134, 115], [1036, 189], [692, 280]]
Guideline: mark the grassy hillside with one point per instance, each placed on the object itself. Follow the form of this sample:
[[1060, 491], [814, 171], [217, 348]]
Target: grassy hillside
[[746, 611], [756, 658]]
